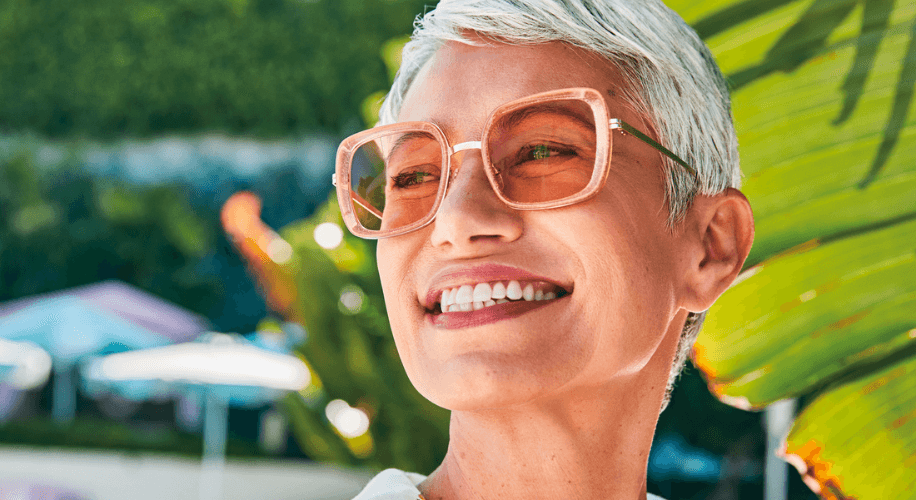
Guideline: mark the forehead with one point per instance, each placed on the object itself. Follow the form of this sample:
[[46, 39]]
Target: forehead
[[461, 84]]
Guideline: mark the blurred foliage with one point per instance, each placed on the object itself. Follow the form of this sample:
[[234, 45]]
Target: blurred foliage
[[336, 295], [391, 55], [62, 228], [108, 68]]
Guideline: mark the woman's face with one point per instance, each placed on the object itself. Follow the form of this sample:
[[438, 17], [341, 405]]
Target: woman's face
[[611, 258]]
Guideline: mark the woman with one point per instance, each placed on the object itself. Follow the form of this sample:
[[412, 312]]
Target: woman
[[554, 188]]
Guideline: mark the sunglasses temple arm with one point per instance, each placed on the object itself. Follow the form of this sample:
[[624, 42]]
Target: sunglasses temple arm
[[365, 204], [648, 140]]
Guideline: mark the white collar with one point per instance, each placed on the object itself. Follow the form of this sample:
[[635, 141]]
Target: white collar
[[394, 484]]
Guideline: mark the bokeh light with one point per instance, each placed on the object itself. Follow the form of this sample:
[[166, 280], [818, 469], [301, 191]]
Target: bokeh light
[[350, 422], [351, 299], [328, 235], [279, 250]]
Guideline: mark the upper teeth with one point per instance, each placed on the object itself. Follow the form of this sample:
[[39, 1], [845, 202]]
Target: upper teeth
[[474, 297]]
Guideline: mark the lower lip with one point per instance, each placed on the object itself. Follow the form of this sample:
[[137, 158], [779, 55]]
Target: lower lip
[[491, 314]]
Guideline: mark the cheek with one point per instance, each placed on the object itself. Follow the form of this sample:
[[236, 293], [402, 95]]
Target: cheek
[[627, 279], [391, 270], [394, 260], [386, 264]]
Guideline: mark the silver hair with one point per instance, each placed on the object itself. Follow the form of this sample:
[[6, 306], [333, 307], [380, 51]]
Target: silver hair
[[675, 83]]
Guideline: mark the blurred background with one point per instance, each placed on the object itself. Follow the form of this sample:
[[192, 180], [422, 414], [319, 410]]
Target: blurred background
[[165, 175]]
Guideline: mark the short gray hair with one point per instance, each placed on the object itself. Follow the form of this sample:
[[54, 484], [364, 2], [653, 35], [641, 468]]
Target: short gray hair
[[675, 80]]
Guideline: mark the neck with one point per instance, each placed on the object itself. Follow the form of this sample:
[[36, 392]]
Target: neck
[[592, 444]]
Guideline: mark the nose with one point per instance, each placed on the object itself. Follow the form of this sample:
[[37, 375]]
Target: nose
[[472, 217]]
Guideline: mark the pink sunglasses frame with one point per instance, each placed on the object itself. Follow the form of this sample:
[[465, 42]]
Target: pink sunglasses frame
[[346, 197]]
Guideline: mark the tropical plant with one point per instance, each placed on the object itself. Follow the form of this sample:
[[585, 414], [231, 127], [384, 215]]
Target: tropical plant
[[329, 284], [826, 309]]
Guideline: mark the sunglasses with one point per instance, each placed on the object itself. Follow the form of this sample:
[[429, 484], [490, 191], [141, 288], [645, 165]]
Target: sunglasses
[[545, 151]]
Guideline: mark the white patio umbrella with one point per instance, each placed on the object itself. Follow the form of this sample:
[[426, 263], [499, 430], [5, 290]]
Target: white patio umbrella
[[223, 367], [23, 365]]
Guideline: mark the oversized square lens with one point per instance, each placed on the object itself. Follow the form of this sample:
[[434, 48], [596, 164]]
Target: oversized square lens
[[543, 152], [394, 179]]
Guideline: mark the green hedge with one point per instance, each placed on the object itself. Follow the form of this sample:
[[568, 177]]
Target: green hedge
[[108, 68], [86, 433]]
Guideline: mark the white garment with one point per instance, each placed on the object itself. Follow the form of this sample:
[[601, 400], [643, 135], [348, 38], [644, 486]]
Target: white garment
[[394, 484]]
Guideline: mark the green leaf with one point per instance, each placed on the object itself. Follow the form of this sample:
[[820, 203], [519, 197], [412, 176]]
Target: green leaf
[[860, 437], [826, 120], [800, 319]]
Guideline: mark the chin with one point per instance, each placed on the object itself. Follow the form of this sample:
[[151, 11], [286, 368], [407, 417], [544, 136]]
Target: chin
[[487, 382]]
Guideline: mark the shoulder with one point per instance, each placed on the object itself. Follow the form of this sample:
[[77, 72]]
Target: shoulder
[[392, 484]]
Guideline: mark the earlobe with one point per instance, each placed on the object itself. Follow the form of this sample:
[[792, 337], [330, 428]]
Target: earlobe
[[721, 232]]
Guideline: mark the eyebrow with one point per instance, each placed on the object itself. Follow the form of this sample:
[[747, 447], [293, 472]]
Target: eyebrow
[[518, 117], [513, 120], [401, 141]]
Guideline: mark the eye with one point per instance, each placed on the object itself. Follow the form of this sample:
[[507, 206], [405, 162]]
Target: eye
[[410, 179], [538, 152]]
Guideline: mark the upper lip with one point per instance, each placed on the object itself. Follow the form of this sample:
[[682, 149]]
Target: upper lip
[[453, 276]]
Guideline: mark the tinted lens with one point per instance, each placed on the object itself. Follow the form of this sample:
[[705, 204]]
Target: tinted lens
[[394, 179], [544, 152]]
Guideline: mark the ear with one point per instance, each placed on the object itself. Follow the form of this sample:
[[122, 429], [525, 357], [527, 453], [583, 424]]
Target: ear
[[719, 231]]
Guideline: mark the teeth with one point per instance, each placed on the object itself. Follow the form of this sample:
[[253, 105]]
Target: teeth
[[482, 292], [514, 290], [465, 295], [448, 298], [475, 297]]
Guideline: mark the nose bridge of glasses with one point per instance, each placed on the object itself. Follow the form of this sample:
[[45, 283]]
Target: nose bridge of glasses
[[464, 146], [457, 148]]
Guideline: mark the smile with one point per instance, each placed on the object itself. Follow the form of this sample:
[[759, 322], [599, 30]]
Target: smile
[[477, 304], [473, 297]]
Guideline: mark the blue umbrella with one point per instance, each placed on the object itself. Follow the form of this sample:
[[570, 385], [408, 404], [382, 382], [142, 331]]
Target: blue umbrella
[[71, 330], [222, 369]]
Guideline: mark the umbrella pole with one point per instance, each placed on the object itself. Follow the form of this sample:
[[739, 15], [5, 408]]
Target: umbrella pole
[[216, 417], [63, 399]]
